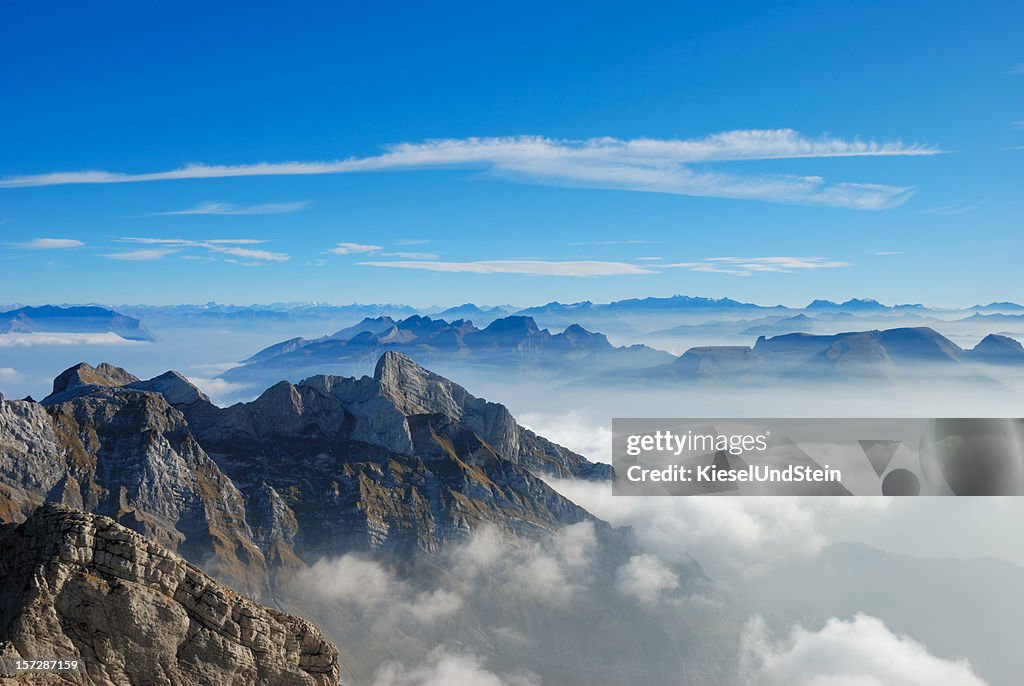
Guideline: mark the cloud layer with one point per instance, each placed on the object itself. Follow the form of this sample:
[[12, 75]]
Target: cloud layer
[[522, 267], [645, 165]]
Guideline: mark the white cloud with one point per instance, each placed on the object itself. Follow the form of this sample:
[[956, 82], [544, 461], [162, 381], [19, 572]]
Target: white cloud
[[353, 248], [573, 430], [50, 244], [25, 340], [369, 588], [412, 241], [956, 209], [412, 255], [144, 255], [219, 246], [645, 165], [8, 374], [860, 652], [645, 578], [552, 572], [746, 266], [251, 253], [890, 252], [736, 266], [223, 208], [186, 242], [447, 668], [219, 390], [527, 267]]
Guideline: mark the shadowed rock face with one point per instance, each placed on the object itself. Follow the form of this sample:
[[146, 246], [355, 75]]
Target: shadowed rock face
[[80, 586], [403, 461]]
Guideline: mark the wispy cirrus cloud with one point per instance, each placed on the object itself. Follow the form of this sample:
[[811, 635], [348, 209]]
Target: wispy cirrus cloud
[[956, 209], [643, 165], [232, 247], [354, 249], [50, 244], [736, 266], [412, 255], [223, 208], [141, 255], [747, 266], [581, 268], [634, 241]]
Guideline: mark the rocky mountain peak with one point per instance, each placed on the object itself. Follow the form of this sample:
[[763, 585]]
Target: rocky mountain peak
[[414, 390], [84, 374], [174, 387], [80, 586]]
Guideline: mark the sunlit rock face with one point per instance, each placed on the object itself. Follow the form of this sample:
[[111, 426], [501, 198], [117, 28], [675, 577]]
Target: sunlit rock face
[[82, 587]]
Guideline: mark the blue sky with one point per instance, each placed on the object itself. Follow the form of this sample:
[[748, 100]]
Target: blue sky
[[446, 152]]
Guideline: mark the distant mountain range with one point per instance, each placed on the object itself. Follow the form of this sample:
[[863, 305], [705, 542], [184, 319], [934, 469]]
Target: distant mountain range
[[876, 354], [79, 319], [509, 344], [638, 314]]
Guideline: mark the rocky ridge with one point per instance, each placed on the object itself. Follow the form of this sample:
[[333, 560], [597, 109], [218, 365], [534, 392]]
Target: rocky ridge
[[401, 462], [80, 586]]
